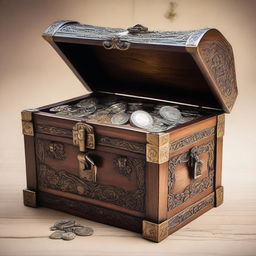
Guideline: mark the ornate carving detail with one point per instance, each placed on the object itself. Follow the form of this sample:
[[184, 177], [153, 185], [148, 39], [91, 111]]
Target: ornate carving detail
[[220, 125], [64, 181], [56, 151], [155, 232], [194, 39], [27, 128], [116, 43], [190, 139], [29, 198], [57, 131], [91, 211], [218, 56], [195, 187], [103, 33], [52, 29], [121, 144], [190, 211], [157, 154], [123, 166], [219, 196]]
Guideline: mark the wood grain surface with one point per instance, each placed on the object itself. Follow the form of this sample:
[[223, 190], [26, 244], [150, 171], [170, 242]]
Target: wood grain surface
[[227, 230]]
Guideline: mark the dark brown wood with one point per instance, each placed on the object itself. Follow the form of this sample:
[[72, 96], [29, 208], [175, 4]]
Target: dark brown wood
[[90, 211], [156, 192], [30, 162]]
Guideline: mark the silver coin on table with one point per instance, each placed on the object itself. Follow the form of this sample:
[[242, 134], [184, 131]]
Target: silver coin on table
[[170, 113], [60, 223], [120, 118], [83, 231], [68, 236], [57, 234], [59, 108], [141, 119]]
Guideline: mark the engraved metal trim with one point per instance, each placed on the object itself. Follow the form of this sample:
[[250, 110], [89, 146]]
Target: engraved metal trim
[[219, 196], [195, 37], [157, 148], [190, 139], [157, 154], [53, 28], [220, 125], [29, 198], [27, 128], [83, 136], [195, 187], [190, 211], [155, 232], [116, 43]]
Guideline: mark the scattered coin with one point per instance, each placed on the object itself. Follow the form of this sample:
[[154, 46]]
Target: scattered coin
[[57, 234], [68, 236], [120, 118], [141, 119], [83, 231]]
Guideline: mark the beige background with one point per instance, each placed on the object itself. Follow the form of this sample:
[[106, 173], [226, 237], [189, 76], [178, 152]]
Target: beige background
[[32, 75]]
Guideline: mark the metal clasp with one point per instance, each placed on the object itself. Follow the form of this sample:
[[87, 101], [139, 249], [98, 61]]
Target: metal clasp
[[195, 164], [83, 136], [87, 168]]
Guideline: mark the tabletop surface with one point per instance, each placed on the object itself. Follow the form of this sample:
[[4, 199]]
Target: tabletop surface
[[227, 230]]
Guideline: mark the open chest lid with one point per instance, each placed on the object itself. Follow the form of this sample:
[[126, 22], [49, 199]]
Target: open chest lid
[[191, 67]]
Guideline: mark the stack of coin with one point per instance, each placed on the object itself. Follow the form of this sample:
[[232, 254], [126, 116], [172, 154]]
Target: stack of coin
[[68, 229], [117, 108], [141, 119]]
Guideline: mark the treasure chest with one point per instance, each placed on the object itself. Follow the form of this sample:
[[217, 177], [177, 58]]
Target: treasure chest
[[149, 174]]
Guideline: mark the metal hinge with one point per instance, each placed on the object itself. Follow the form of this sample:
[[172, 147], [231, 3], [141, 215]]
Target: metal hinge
[[83, 136]]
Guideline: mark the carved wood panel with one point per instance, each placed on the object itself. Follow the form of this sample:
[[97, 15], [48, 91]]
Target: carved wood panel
[[195, 187], [64, 180]]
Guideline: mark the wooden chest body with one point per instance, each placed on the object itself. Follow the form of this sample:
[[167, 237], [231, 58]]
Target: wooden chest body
[[145, 181]]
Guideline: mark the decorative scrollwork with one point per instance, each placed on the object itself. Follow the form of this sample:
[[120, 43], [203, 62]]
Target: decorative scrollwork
[[116, 43], [218, 56], [65, 181], [190, 211], [121, 144], [190, 139], [57, 131], [195, 187]]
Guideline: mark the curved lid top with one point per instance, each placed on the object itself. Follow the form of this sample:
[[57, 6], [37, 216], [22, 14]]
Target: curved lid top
[[194, 67]]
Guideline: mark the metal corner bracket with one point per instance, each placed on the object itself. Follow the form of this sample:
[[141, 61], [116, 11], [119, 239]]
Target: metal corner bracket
[[220, 125], [219, 196], [155, 232], [27, 121], [157, 148], [29, 198]]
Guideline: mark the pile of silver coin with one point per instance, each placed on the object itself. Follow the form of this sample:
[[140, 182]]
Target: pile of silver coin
[[68, 230], [149, 116]]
